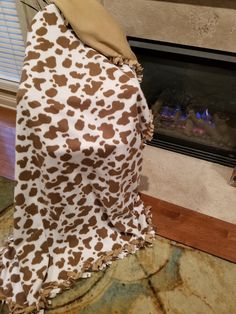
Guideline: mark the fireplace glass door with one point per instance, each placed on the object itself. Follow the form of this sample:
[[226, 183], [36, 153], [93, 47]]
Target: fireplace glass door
[[192, 94]]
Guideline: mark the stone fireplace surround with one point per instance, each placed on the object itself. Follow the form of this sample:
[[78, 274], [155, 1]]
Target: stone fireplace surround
[[186, 181], [201, 23]]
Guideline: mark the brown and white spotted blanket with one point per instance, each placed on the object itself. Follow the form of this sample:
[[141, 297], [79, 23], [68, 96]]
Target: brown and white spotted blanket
[[82, 123]]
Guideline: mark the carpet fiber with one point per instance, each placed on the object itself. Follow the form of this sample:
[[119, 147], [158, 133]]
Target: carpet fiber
[[6, 193], [167, 278]]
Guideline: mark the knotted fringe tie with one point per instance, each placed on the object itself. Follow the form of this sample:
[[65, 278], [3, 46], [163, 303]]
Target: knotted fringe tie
[[44, 294]]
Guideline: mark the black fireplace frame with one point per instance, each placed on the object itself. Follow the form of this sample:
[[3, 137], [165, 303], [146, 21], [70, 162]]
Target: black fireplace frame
[[223, 58]]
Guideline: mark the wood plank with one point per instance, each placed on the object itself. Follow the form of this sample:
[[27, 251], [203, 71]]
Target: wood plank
[[7, 142], [7, 117], [194, 229]]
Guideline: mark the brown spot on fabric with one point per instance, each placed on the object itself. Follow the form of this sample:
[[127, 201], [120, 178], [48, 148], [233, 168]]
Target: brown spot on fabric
[[66, 157], [20, 94], [124, 78], [76, 103], [87, 189], [52, 92], [42, 119], [58, 250], [51, 133], [65, 43], [62, 275], [20, 298], [31, 209], [94, 68], [77, 75], [90, 138], [34, 104], [27, 249], [22, 149], [109, 93], [55, 107], [74, 87], [92, 88], [28, 224], [59, 180], [15, 278], [110, 201], [67, 63], [98, 246], [116, 246], [74, 45], [91, 53], [54, 197], [79, 65], [124, 135], [110, 73], [128, 91], [41, 31], [44, 44], [72, 240], [41, 272], [59, 52], [116, 106], [60, 80], [20, 199], [36, 140], [106, 151], [73, 144], [34, 234], [29, 175], [114, 186], [79, 125], [50, 18], [40, 66], [24, 76], [37, 83], [124, 120], [63, 28], [25, 113], [92, 126], [102, 233], [107, 130], [100, 103], [63, 126], [31, 55], [52, 149], [33, 192], [75, 259], [27, 274], [87, 241]]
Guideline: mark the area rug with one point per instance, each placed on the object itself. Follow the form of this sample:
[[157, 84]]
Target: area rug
[[166, 278], [6, 193]]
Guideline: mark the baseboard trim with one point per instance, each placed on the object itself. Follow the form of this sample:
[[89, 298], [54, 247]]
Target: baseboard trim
[[202, 232]]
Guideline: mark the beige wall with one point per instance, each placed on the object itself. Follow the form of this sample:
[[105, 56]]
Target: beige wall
[[202, 23]]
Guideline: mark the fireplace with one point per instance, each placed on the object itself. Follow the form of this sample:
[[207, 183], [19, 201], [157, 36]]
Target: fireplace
[[192, 94]]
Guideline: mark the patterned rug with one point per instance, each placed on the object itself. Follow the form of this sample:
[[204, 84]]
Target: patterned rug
[[167, 278], [6, 193]]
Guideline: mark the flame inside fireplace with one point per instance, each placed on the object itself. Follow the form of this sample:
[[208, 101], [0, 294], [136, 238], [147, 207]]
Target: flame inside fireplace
[[194, 121]]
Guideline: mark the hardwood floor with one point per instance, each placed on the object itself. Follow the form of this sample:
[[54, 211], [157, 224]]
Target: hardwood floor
[[194, 229], [174, 222], [7, 142]]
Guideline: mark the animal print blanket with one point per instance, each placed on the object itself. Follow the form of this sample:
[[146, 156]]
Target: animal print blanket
[[82, 123]]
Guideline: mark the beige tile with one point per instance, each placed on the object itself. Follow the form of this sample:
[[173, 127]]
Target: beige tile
[[189, 182]]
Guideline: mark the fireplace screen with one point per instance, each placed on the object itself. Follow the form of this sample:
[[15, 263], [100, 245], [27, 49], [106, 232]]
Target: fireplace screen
[[192, 94]]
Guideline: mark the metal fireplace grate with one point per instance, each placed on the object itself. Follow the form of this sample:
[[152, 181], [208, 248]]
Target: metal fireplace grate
[[192, 94]]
